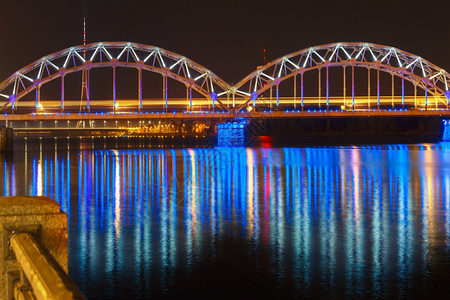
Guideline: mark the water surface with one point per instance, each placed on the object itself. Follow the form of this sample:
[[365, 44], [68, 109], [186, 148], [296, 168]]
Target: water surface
[[368, 221]]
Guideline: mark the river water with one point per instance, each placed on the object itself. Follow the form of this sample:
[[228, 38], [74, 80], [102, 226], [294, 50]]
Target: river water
[[335, 222]]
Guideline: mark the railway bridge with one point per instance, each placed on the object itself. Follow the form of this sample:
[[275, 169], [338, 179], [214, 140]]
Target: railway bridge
[[338, 80]]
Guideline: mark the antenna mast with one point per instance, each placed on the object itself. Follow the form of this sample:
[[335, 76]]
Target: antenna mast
[[84, 79]]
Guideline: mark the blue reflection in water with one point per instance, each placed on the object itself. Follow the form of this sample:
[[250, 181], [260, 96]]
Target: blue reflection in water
[[340, 221]]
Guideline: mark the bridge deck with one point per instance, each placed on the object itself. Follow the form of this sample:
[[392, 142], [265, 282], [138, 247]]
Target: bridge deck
[[312, 113]]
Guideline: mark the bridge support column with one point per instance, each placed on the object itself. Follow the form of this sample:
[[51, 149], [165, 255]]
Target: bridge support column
[[231, 134], [426, 98], [446, 130]]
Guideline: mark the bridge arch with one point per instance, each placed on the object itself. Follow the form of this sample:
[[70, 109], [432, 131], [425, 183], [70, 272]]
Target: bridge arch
[[434, 80], [111, 54]]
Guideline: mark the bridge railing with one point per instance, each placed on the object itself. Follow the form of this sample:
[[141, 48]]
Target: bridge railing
[[33, 239], [46, 277]]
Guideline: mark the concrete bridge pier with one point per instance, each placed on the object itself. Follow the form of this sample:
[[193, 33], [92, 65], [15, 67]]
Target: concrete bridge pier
[[6, 139], [446, 130], [231, 133]]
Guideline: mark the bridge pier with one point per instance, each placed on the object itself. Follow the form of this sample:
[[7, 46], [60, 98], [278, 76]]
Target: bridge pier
[[446, 130], [231, 134], [6, 139]]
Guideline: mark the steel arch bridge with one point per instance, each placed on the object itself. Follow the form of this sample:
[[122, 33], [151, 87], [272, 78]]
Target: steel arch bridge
[[249, 93], [100, 55], [433, 80]]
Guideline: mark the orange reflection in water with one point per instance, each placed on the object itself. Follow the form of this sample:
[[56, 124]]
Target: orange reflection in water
[[117, 217], [250, 191], [193, 187]]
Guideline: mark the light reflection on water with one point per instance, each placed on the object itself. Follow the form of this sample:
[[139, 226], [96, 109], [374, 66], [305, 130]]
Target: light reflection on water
[[336, 221]]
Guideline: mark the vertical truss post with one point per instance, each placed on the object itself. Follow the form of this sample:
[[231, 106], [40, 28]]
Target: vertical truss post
[[13, 98], [301, 87], [270, 99], [278, 96], [447, 96], [368, 88], [166, 92], [393, 91], [140, 87], [328, 92], [415, 95], [403, 91], [344, 92], [295, 90], [114, 89], [190, 95], [87, 90], [426, 98], [188, 104], [353, 87], [62, 92], [164, 88], [228, 100], [320, 84], [378, 87], [38, 96], [435, 101], [234, 99]]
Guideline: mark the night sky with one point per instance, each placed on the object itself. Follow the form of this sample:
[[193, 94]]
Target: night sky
[[224, 36]]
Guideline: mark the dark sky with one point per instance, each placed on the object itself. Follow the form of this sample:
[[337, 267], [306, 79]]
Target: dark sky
[[224, 36]]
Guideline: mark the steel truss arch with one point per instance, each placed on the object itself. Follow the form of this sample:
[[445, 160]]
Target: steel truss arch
[[410, 67], [104, 54]]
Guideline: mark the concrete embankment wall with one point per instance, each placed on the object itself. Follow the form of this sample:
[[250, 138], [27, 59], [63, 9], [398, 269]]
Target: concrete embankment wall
[[6, 139]]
